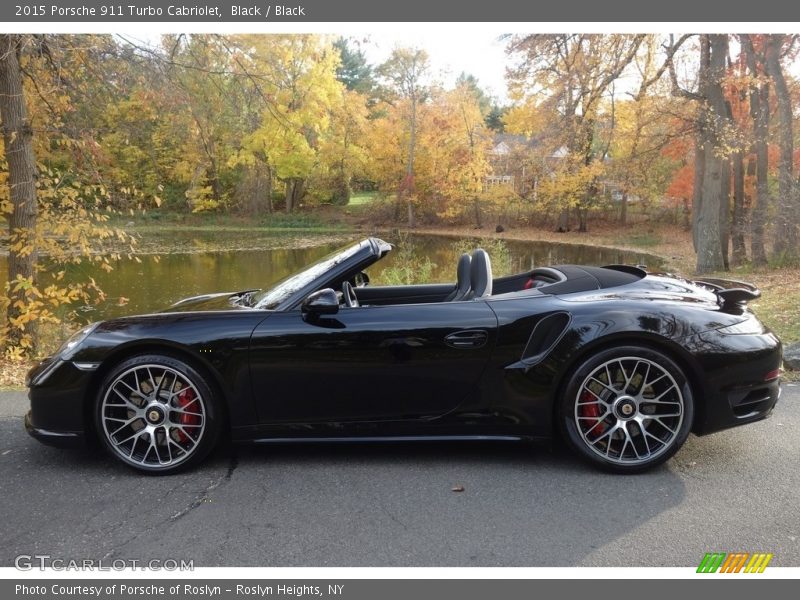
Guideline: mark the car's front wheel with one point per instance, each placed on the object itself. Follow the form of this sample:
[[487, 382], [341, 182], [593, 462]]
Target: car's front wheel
[[156, 413], [627, 409]]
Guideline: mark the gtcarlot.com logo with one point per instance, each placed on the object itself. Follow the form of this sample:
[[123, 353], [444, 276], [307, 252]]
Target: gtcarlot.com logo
[[734, 562], [41, 562]]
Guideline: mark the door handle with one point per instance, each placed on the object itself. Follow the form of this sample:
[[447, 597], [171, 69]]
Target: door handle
[[467, 339]]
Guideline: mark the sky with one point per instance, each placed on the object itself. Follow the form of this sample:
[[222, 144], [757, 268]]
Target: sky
[[478, 52], [480, 55]]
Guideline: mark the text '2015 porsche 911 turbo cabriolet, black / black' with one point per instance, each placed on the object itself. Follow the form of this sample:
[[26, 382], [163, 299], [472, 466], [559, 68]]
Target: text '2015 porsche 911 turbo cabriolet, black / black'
[[620, 363]]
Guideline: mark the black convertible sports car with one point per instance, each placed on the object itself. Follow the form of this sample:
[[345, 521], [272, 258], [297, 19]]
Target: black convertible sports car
[[621, 363]]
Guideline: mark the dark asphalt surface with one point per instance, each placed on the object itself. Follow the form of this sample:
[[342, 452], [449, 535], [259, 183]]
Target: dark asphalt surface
[[392, 505]]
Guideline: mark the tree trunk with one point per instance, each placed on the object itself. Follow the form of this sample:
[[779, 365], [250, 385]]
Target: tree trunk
[[623, 208], [295, 188], [476, 206], [583, 211], [270, 208], [687, 223], [22, 176], [251, 191], [725, 212], [786, 216], [289, 195], [697, 190], [708, 232], [583, 220], [759, 112], [739, 255], [563, 221], [408, 184], [213, 178]]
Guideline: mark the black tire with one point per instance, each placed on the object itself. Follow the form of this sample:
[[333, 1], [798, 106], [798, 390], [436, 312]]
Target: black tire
[[643, 420], [193, 427]]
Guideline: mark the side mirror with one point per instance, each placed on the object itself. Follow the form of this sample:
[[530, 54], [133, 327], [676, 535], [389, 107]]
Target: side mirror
[[321, 302]]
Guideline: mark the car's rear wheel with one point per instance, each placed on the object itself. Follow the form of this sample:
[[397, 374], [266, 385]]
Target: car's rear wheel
[[156, 413], [627, 409]]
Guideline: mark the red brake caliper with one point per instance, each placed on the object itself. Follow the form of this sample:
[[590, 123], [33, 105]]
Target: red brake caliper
[[592, 409], [185, 398]]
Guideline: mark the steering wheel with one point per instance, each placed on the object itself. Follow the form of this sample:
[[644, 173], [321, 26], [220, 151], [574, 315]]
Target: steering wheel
[[349, 295]]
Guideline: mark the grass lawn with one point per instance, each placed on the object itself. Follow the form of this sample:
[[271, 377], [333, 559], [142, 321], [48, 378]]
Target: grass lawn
[[276, 221], [362, 198]]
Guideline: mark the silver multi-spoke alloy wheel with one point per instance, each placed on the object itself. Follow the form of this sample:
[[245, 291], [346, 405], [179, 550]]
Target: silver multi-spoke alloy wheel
[[628, 409], [153, 416]]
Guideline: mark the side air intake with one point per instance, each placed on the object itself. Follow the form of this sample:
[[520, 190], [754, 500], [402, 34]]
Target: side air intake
[[545, 335]]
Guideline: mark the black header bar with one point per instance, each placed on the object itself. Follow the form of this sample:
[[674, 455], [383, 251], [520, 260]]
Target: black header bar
[[337, 11]]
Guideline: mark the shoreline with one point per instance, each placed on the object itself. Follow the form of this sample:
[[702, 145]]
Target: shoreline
[[526, 237]]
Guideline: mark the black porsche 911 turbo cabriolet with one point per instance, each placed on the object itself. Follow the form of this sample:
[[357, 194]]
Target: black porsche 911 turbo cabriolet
[[621, 363]]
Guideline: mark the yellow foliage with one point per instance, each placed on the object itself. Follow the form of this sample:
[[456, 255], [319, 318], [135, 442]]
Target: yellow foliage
[[452, 147], [567, 184], [71, 221], [201, 198]]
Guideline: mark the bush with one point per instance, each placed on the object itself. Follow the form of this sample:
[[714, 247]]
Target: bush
[[409, 268]]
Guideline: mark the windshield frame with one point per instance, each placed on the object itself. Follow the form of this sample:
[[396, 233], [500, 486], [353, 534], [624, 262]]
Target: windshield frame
[[345, 262]]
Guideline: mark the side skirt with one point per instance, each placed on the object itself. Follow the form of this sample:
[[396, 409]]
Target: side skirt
[[391, 438]]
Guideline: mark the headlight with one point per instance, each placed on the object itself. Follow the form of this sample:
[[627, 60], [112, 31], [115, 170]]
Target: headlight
[[71, 346], [750, 326]]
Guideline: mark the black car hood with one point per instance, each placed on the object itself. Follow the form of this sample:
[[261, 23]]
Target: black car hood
[[217, 301]]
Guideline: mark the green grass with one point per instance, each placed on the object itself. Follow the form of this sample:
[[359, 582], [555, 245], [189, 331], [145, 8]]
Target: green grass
[[277, 221], [643, 240], [780, 297], [362, 198]]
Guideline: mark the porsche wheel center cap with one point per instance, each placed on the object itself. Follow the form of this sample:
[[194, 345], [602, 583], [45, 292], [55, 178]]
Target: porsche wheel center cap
[[155, 415], [625, 407]]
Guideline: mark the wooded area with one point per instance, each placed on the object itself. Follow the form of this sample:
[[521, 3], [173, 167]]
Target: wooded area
[[700, 126]]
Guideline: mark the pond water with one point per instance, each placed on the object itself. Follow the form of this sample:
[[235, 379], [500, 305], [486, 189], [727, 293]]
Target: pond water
[[206, 261]]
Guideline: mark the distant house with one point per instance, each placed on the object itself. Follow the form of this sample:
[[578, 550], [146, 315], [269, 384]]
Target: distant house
[[515, 163]]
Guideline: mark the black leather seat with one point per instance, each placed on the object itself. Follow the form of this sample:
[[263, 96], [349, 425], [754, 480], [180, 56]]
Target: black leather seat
[[463, 279], [480, 275]]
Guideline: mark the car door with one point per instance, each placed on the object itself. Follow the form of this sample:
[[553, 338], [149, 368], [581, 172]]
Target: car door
[[371, 362]]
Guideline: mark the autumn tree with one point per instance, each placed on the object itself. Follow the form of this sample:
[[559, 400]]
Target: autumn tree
[[199, 69], [455, 143], [785, 245], [21, 182], [711, 222], [715, 142], [342, 151], [296, 76], [647, 120], [50, 191], [567, 77], [640, 165], [759, 94], [404, 74], [738, 108], [491, 110], [450, 158]]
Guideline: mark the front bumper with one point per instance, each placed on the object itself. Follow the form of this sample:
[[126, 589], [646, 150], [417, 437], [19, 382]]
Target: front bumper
[[59, 439], [57, 390]]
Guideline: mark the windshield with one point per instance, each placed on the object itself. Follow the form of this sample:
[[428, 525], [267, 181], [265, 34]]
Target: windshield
[[273, 297]]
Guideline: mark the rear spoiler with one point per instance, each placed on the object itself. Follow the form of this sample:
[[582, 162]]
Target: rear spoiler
[[731, 294]]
